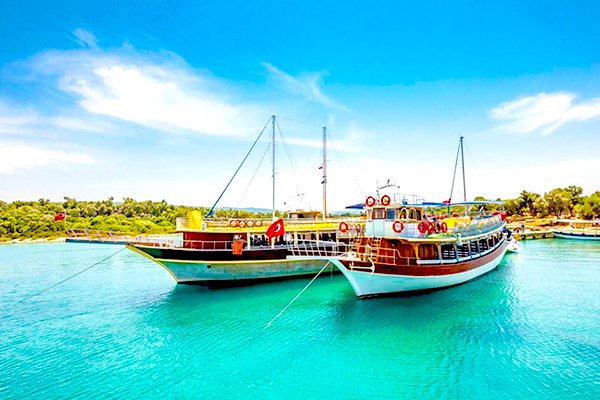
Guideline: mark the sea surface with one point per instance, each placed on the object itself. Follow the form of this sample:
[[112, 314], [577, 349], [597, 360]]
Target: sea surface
[[123, 329]]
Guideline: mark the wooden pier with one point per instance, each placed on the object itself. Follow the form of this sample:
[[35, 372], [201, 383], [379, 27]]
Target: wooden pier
[[548, 234]]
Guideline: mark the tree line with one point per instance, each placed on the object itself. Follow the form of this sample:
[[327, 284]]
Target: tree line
[[35, 219], [560, 202]]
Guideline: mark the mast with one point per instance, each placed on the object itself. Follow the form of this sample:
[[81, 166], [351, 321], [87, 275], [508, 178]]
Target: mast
[[273, 162], [324, 172], [462, 156]]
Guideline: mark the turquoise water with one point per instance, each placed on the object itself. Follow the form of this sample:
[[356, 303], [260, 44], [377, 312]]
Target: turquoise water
[[530, 329]]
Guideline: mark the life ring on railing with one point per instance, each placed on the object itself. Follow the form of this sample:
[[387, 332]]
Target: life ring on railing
[[398, 226], [258, 222], [422, 227], [370, 202], [385, 200], [343, 227], [444, 227], [233, 223], [430, 227], [249, 223], [358, 228], [242, 223]]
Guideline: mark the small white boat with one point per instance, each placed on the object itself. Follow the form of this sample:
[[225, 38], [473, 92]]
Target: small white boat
[[513, 246]]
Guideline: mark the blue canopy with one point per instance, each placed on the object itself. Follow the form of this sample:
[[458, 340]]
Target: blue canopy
[[361, 206]]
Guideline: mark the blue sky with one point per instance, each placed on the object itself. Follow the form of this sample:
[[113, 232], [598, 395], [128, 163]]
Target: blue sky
[[161, 100]]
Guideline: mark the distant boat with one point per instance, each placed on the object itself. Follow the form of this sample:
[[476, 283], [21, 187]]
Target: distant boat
[[577, 229], [239, 251], [412, 245]]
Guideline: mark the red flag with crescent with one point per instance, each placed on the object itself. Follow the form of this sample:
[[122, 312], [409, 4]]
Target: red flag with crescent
[[447, 201], [276, 229], [60, 216]]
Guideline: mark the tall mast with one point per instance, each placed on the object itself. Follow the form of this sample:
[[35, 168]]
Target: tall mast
[[462, 156], [324, 172], [273, 162]]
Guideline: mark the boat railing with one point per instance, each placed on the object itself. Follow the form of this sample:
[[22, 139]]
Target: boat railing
[[96, 235], [158, 240], [261, 225], [369, 250], [318, 248]]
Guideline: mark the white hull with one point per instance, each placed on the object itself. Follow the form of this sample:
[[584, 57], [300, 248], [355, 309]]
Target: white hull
[[372, 284], [576, 236], [231, 271]]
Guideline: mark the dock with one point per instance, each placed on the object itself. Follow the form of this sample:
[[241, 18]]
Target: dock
[[98, 237], [547, 234]]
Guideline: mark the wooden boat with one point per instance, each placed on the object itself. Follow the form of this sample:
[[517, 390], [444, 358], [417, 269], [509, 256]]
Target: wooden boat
[[237, 251], [405, 250], [411, 245], [578, 229], [218, 254]]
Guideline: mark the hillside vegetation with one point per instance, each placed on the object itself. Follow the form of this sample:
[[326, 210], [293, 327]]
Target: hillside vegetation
[[35, 219]]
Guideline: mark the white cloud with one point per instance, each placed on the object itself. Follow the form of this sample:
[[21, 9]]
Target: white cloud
[[156, 90], [160, 98], [85, 38], [15, 121], [307, 86], [16, 156], [545, 112]]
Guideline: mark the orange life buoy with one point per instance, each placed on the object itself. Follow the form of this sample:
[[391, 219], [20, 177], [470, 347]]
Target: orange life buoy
[[258, 222], [249, 223], [343, 227], [444, 227], [242, 223], [422, 227], [233, 223], [370, 202], [385, 200], [430, 227], [398, 226]]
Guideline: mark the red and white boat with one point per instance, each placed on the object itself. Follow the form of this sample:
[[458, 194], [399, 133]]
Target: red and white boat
[[404, 249], [411, 245]]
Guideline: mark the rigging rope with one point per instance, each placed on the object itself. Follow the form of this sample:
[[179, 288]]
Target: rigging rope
[[285, 146], [254, 174], [237, 170], [298, 295], [454, 175], [72, 276]]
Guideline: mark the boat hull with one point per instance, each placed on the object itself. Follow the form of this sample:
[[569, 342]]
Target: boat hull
[[576, 236], [367, 284], [222, 273]]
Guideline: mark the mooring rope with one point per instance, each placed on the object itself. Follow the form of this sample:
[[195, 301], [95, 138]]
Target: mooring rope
[[72, 276], [298, 295]]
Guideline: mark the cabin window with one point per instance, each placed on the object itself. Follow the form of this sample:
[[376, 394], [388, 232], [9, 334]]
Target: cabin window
[[390, 214], [378, 213], [483, 245], [474, 248], [463, 251], [448, 251], [418, 214]]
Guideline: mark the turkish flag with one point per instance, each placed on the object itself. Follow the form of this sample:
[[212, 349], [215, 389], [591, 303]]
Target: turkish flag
[[276, 229], [447, 201], [60, 216]]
